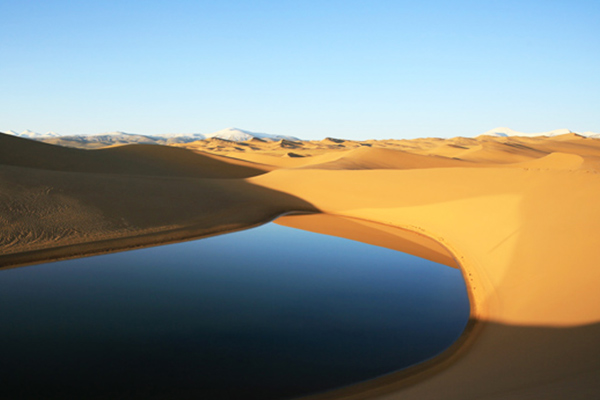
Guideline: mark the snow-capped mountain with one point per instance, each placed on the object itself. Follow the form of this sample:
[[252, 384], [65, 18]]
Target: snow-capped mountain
[[179, 137], [505, 132], [110, 137], [31, 134], [591, 134], [240, 135], [117, 137]]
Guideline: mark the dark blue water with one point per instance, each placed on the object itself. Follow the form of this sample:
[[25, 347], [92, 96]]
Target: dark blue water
[[267, 313]]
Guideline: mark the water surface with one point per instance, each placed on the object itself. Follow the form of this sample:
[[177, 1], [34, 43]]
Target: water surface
[[271, 312]]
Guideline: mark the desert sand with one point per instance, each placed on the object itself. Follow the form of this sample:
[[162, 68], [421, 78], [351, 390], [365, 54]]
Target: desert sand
[[519, 216]]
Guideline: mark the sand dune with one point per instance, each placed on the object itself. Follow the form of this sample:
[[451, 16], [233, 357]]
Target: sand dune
[[492, 218], [58, 201], [555, 161], [378, 158], [139, 159], [498, 152], [282, 159], [519, 215]]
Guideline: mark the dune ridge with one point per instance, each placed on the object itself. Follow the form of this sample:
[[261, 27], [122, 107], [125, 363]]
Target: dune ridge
[[140, 159], [518, 215]]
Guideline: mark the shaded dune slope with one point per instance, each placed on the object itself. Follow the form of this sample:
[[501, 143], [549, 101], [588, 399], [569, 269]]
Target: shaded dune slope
[[505, 362], [58, 202], [137, 159], [87, 213]]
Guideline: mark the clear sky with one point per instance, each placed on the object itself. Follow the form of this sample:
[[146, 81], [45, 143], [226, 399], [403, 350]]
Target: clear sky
[[349, 69]]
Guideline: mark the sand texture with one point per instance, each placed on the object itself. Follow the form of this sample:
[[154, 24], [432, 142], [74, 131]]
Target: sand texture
[[519, 216]]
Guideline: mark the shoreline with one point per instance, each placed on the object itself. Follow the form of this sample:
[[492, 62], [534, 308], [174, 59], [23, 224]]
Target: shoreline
[[412, 375], [126, 243], [387, 383]]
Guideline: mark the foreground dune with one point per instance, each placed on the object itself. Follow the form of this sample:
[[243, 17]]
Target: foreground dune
[[519, 216]]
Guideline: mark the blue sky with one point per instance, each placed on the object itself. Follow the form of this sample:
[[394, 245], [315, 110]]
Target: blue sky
[[350, 69]]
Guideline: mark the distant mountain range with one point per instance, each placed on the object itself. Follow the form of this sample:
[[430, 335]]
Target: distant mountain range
[[31, 134], [230, 134], [240, 135], [113, 138], [505, 132]]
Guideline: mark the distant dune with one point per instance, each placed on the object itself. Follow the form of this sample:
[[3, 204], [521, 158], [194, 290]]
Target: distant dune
[[518, 215], [131, 160]]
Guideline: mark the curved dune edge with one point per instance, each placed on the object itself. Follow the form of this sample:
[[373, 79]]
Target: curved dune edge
[[376, 234], [519, 235], [416, 243]]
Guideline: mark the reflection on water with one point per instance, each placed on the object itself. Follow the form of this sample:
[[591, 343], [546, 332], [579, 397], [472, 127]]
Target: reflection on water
[[271, 312]]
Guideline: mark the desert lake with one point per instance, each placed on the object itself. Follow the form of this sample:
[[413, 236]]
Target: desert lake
[[270, 312]]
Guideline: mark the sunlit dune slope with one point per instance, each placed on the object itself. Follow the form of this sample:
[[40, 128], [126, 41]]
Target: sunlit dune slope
[[283, 160], [378, 158], [556, 161], [498, 152], [492, 218]]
